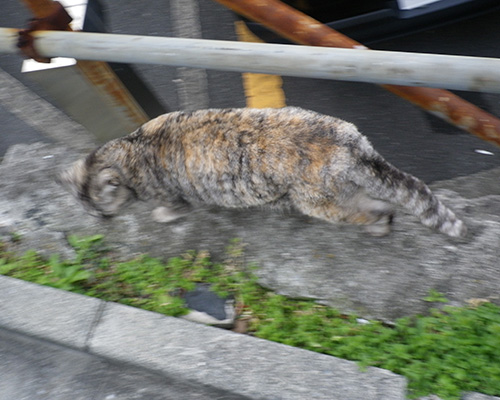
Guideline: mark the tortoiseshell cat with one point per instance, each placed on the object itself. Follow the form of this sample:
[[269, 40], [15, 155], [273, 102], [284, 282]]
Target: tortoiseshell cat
[[289, 157]]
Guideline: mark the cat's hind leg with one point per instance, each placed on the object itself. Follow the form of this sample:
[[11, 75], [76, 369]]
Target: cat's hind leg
[[374, 215]]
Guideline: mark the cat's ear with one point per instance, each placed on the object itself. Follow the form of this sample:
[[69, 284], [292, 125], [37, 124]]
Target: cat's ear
[[72, 178]]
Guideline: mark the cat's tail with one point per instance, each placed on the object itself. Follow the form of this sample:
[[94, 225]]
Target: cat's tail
[[384, 181]]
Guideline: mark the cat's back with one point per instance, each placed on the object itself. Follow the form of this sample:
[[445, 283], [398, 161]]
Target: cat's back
[[223, 127], [244, 156]]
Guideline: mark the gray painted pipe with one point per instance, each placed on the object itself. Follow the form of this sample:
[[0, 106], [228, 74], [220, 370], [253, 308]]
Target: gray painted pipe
[[362, 65]]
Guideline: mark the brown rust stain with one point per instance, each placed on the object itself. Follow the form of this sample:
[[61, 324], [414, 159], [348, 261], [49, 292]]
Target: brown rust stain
[[54, 17], [102, 76]]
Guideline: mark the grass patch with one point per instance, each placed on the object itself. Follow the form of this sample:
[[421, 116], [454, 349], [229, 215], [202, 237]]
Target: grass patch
[[449, 351]]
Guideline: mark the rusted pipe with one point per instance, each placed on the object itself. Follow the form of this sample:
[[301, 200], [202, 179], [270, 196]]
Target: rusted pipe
[[300, 28]]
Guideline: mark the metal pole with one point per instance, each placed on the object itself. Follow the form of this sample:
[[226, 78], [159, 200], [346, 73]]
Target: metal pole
[[456, 72], [301, 28]]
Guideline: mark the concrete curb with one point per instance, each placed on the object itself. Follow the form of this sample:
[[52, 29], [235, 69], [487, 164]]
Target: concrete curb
[[183, 351]]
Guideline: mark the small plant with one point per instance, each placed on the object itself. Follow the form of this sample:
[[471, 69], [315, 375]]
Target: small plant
[[435, 297], [15, 237], [88, 249], [27, 267], [449, 351], [65, 275]]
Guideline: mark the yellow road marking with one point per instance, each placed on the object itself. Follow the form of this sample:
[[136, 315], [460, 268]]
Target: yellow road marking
[[261, 90]]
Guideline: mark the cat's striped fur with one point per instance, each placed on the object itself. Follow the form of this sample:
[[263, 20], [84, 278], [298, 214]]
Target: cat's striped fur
[[289, 157]]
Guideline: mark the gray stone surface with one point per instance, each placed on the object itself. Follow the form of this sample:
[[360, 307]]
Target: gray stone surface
[[478, 396], [40, 116], [466, 396], [128, 353], [301, 257], [235, 363], [28, 308], [22, 133], [431, 397], [32, 369]]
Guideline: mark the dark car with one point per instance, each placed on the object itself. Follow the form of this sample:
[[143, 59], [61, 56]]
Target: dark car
[[369, 21]]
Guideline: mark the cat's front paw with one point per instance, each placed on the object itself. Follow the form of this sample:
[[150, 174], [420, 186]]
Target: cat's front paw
[[164, 214]]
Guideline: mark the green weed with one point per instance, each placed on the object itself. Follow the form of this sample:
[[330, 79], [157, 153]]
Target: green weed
[[435, 297], [447, 352]]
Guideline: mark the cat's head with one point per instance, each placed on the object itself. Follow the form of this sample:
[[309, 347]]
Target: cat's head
[[99, 187]]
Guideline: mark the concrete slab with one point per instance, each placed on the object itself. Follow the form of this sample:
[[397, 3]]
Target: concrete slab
[[32, 369], [39, 116], [478, 396], [48, 313], [173, 353], [15, 131], [466, 396], [239, 364]]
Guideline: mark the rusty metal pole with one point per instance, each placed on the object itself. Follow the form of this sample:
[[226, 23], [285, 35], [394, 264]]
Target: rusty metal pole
[[98, 73], [300, 28]]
